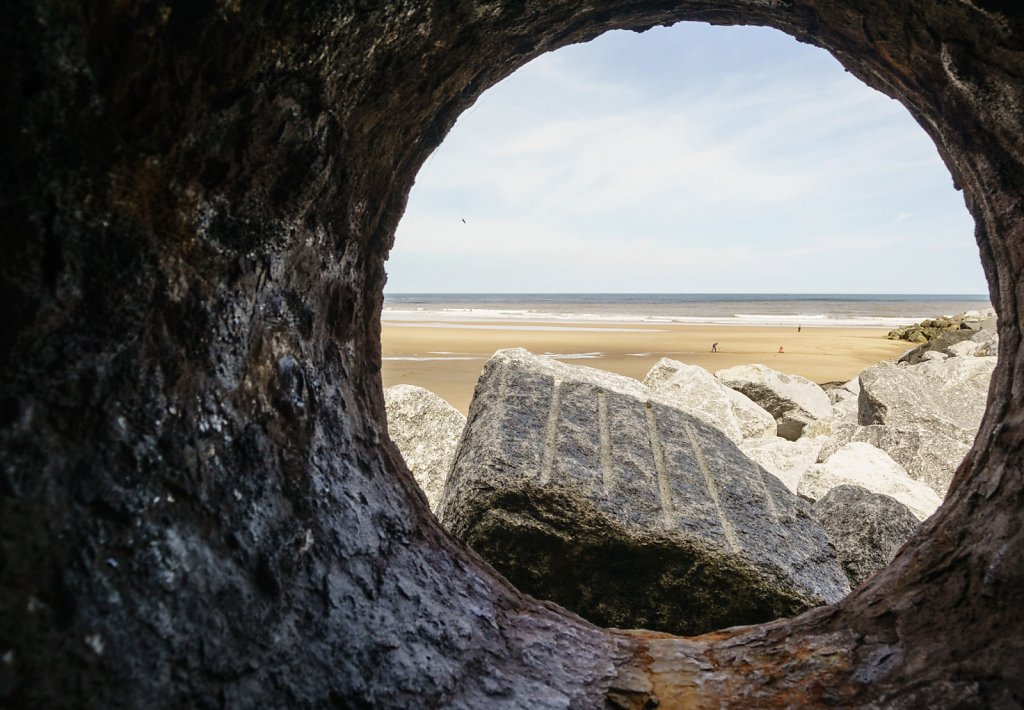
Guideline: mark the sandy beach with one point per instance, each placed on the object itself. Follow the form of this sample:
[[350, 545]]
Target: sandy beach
[[446, 357]]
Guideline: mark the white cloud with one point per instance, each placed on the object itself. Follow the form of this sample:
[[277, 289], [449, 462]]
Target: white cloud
[[570, 164]]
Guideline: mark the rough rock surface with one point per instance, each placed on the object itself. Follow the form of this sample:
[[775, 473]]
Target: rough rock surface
[[794, 401], [984, 343], [852, 385], [700, 393], [198, 201], [845, 409], [786, 460], [965, 348], [839, 391], [866, 528], [947, 396], [585, 487], [426, 429], [864, 465], [988, 342], [952, 342], [928, 455]]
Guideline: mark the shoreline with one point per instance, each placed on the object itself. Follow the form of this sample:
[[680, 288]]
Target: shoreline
[[476, 317], [701, 309], [446, 357]]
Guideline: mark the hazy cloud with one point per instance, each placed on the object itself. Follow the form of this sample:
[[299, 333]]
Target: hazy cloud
[[685, 159]]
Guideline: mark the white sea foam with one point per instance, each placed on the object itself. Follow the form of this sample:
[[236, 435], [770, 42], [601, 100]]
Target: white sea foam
[[449, 322], [421, 358], [485, 318], [574, 356]]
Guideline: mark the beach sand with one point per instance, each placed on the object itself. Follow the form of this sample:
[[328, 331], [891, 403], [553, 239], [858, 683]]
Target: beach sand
[[446, 358]]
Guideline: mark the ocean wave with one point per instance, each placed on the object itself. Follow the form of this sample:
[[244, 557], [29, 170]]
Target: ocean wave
[[448, 316], [440, 321], [574, 356], [422, 358]]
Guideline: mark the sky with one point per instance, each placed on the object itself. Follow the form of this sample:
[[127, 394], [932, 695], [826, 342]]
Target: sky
[[685, 160]]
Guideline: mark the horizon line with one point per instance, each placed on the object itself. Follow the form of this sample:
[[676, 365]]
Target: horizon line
[[679, 293]]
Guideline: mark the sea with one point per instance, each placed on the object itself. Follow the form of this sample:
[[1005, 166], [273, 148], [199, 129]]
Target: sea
[[765, 309]]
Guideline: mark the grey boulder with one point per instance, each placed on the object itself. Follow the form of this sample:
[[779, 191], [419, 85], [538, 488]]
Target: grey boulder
[[786, 460], [698, 392], [947, 396], [988, 342], [939, 345], [928, 455], [795, 402], [589, 489], [426, 430], [867, 529], [983, 343], [864, 465], [844, 408]]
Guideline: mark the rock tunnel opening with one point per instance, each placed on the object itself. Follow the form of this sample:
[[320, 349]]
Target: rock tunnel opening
[[686, 185], [715, 139], [847, 146], [172, 268]]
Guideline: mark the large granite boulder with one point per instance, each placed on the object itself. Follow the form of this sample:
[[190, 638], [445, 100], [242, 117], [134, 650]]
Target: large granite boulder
[[867, 529], [795, 402], [984, 343], [836, 391], [928, 455], [948, 327], [946, 396], [697, 391], [587, 488], [845, 409], [426, 429], [988, 341], [786, 460], [965, 348], [864, 465], [843, 396]]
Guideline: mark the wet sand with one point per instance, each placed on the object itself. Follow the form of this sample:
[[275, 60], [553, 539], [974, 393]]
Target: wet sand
[[446, 358]]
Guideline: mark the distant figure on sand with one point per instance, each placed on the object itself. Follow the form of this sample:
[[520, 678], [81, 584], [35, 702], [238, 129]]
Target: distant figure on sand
[[781, 351], [714, 347], [798, 328]]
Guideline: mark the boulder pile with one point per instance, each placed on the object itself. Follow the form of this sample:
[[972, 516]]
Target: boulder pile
[[933, 328], [683, 503], [864, 465], [798, 405], [698, 392]]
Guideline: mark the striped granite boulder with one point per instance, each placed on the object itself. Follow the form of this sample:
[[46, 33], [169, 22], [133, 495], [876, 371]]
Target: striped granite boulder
[[589, 489]]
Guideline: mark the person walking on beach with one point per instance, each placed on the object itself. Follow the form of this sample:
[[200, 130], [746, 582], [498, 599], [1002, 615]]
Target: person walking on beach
[[714, 347], [798, 328], [781, 351]]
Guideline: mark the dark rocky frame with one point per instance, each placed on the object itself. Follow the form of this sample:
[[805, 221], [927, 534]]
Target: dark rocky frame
[[198, 502]]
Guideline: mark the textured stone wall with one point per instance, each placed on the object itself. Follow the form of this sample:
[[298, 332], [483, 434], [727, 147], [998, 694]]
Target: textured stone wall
[[198, 502]]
